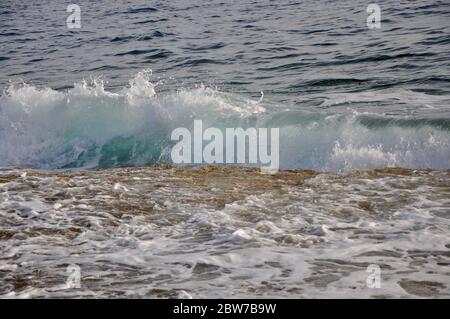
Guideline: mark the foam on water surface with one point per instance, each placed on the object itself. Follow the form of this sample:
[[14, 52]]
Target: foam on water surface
[[224, 232]]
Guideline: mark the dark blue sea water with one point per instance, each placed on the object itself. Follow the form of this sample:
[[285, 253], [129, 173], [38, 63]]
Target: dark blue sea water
[[345, 96]]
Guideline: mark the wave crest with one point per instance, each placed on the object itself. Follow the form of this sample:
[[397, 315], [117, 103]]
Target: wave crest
[[88, 126]]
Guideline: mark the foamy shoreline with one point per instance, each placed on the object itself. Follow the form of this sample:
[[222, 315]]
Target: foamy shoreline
[[165, 231]]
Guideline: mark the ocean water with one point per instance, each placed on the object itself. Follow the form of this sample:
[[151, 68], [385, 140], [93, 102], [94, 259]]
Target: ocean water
[[344, 96], [85, 170]]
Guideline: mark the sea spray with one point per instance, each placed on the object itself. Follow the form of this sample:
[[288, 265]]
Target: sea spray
[[89, 126]]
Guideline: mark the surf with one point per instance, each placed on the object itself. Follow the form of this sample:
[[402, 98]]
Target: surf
[[88, 126]]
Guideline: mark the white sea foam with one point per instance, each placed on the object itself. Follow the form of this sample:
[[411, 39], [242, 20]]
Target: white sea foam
[[272, 237]]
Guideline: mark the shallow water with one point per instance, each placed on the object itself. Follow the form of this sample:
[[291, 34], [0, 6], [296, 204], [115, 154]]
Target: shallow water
[[224, 232]]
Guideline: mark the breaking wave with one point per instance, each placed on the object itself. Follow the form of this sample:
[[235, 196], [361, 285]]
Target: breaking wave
[[88, 126]]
